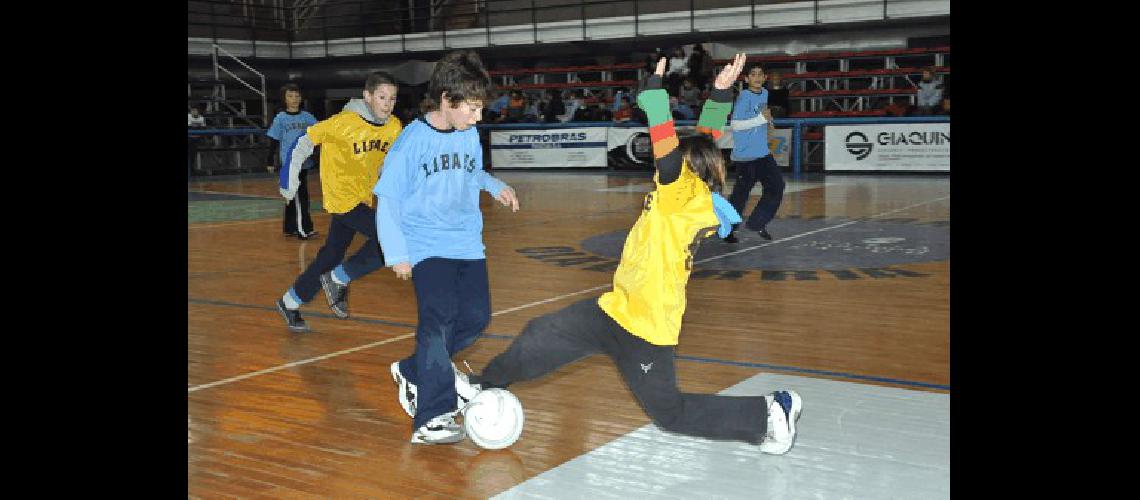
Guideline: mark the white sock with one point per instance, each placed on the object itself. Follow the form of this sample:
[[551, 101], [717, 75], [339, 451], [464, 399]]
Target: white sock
[[290, 300]]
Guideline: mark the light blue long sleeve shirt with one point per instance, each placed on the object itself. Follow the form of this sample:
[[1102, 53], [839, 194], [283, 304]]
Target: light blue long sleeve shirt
[[428, 195], [751, 143]]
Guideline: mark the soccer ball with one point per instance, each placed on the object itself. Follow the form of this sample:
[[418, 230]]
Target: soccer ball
[[493, 419]]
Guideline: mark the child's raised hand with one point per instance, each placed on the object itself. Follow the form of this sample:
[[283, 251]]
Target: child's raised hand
[[660, 67], [730, 73]]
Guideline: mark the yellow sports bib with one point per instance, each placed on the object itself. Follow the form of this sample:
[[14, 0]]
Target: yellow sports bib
[[648, 298], [352, 155]]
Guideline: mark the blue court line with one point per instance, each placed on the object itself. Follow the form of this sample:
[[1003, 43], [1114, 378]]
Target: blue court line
[[697, 359]]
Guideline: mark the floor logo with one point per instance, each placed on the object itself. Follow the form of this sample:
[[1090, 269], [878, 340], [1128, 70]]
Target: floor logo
[[861, 148], [870, 249]]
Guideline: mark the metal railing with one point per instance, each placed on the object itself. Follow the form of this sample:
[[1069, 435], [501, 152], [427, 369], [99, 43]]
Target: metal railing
[[347, 19], [217, 78]]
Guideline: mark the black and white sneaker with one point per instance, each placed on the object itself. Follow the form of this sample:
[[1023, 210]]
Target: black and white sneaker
[[405, 391], [439, 430], [336, 294], [784, 409], [465, 391], [292, 317]]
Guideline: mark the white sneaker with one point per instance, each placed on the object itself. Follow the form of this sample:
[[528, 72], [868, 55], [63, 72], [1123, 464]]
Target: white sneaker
[[464, 389], [439, 430], [783, 410], [405, 391]]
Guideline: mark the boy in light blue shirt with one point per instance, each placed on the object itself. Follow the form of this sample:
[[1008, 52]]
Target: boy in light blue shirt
[[431, 230], [751, 157], [287, 126]]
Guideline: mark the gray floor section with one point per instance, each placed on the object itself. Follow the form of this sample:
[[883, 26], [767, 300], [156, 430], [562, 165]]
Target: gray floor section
[[855, 441]]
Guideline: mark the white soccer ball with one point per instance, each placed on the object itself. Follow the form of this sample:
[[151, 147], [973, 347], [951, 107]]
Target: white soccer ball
[[493, 419]]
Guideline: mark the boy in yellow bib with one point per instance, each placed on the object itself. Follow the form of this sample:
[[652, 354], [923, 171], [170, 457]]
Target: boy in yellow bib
[[637, 324], [354, 144]]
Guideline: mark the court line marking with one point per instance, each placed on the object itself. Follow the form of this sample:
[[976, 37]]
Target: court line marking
[[827, 228], [366, 346], [525, 306]]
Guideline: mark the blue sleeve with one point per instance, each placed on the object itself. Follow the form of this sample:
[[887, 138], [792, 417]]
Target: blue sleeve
[[275, 128], [310, 120], [392, 240], [487, 182], [391, 190]]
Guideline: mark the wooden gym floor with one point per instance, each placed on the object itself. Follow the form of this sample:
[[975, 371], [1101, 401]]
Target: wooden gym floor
[[849, 305]]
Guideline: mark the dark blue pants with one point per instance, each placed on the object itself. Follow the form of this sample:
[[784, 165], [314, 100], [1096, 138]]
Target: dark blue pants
[[583, 329], [454, 305], [768, 173], [361, 219]]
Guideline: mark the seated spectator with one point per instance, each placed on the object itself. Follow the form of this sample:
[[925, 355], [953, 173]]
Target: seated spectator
[[531, 113], [689, 94], [195, 118], [494, 111], [638, 115], [624, 112], [516, 107], [678, 70], [929, 93], [945, 95], [554, 108], [572, 106], [777, 95], [680, 110]]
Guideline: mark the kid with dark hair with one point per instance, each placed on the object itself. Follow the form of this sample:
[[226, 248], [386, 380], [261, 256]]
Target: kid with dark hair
[[431, 230], [287, 126]]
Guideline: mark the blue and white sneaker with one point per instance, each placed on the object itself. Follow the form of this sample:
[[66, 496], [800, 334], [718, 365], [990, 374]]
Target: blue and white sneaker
[[405, 391], [784, 409]]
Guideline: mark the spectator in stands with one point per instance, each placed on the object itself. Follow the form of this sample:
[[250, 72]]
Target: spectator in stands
[[700, 67], [637, 115], [195, 118], [495, 109], [690, 94], [602, 113], [516, 107], [554, 108], [624, 112], [678, 69], [777, 95], [680, 110], [929, 93], [572, 106], [531, 113], [287, 127], [945, 95]]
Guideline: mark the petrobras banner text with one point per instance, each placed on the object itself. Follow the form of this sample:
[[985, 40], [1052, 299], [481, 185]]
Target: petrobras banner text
[[565, 147], [921, 147]]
